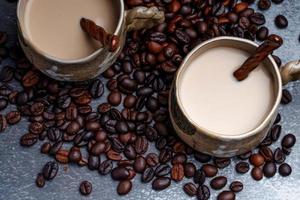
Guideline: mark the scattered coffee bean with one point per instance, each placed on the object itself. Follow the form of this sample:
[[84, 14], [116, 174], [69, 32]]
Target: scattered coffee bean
[[281, 21], [257, 160], [279, 156], [264, 4], [242, 167], [124, 187], [209, 170], [190, 189], [269, 169], [189, 170], [3, 123], [50, 170], [226, 195], [288, 141], [218, 183], [161, 183], [85, 188], [203, 192], [40, 180], [257, 173], [285, 169], [236, 186], [13, 117]]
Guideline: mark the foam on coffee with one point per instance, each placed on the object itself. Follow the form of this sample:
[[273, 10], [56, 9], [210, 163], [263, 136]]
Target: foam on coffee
[[216, 101], [53, 25]]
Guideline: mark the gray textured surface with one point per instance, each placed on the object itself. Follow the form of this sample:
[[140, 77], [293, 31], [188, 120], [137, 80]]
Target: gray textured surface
[[19, 166]]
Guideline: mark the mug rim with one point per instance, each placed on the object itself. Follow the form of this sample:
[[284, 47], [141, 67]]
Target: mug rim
[[72, 61], [261, 125]]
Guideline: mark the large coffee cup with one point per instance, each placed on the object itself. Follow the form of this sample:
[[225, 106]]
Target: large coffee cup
[[97, 62], [238, 131]]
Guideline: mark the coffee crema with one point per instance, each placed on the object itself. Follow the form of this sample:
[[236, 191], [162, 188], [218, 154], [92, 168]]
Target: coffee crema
[[53, 26], [216, 101]]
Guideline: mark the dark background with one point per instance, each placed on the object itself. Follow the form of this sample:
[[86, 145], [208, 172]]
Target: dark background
[[18, 166]]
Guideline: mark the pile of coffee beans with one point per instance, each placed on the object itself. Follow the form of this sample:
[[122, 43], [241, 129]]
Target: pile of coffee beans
[[118, 133]]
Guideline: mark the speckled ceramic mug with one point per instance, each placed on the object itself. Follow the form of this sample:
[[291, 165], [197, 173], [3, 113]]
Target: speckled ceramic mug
[[220, 145], [96, 63]]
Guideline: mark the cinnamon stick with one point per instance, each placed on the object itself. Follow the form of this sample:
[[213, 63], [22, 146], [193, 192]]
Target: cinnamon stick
[[266, 48], [98, 33]]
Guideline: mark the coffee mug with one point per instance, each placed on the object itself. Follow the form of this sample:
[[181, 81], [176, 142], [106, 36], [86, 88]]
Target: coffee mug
[[96, 63], [222, 145]]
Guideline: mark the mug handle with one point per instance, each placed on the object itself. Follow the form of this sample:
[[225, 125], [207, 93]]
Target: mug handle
[[143, 17], [290, 72]]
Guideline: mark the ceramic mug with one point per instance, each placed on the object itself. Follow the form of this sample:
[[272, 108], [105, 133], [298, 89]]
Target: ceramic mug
[[96, 63], [228, 145]]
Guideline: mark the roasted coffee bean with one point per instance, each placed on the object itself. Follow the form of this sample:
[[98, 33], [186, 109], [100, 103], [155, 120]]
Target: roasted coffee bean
[[288, 141], [98, 148], [130, 152], [177, 172], [148, 175], [113, 155], [218, 183], [28, 140], [275, 132], [121, 127], [40, 180], [130, 101], [190, 189], [97, 89], [267, 153], [93, 162], [141, 145], [140, 164], [75, 155], [269, 169], [31, 78], [50, 170], [257, 173], [105, 167], [286, 97], [203, 192], [45, 148], [262, 33], [222, 162], [242, 167], [36, 128], [257, 18], [3, 123], [179, 158], [114, 98], [62, 156], [226, 195], [13, 117], [279, 156], [152, 159], [120, 173], [124, 187], [257, 160], [54, 134], [199, 177], [264, 4], [189, 170], [162, 170], [161, 183], [165, 155], [85, 188], [285, 169], [236, 186], [209, 170], [281, 21]]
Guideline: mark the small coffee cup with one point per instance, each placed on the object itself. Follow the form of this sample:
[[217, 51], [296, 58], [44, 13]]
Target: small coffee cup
[[223, 145], [96, 63]]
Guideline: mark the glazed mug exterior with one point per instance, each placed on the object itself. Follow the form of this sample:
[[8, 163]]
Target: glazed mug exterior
[[219, 145], [96, 63]]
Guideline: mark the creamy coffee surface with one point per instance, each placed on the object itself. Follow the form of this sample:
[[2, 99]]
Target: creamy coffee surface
[[216, 101], [53, 25]]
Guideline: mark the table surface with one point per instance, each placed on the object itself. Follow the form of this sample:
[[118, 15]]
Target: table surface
[[19, 166]]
